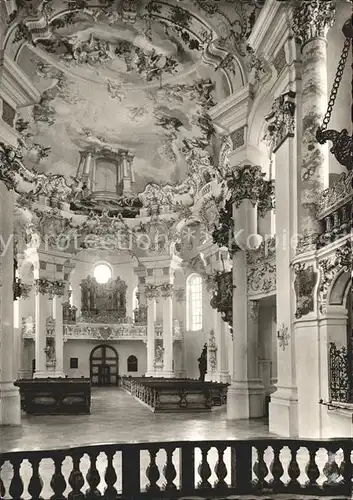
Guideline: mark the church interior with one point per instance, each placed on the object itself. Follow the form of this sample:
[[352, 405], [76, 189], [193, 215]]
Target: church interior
[[176, 249]]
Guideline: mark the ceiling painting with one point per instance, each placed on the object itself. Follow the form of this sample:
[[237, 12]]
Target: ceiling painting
[[132, 76]]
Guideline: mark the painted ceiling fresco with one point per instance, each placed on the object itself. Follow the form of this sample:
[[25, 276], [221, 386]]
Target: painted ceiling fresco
[[120, 77]]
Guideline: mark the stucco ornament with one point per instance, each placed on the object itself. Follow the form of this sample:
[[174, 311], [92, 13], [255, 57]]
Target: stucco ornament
[[313, 19], [304, 285], [330, 268], [280, 122], [212, 351]]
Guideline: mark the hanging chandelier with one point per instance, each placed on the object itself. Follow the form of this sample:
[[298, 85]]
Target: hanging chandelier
[[342, 142]]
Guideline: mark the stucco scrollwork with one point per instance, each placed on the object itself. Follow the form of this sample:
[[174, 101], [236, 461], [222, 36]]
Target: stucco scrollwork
[[261, 273], [212, 352], [304, 284], [280, 122], [330, 268]]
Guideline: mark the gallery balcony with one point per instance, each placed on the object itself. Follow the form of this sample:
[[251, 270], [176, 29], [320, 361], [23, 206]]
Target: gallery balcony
[[335, 208], [102, 331], [268, 468]]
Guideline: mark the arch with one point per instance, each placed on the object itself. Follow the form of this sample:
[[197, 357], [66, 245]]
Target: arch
[[132, 363], [194, 302], [104, 365], [340, 288]]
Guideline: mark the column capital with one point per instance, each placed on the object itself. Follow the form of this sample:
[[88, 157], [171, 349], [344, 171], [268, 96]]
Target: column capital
[[46, 286], [151, 292], [312, 19], [166, 290]]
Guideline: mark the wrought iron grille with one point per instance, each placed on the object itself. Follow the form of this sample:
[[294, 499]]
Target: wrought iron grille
[[341, 374]]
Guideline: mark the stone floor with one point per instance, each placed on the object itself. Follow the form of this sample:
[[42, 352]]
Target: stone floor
[[118, 417]]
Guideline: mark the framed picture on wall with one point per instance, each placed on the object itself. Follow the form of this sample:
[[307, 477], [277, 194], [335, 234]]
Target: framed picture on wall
[[74, 363]]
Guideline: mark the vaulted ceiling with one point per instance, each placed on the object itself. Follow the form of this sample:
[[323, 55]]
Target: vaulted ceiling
[[138, 75]]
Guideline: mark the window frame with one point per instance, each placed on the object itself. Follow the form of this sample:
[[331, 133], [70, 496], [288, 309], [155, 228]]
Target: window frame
[[135, 361], [194, 318]]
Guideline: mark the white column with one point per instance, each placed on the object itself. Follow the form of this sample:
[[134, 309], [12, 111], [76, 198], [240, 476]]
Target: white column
[[167, 305], [151, 308], [59, 336], [10, 413], [41, 308], [238, 393], [22, 362]]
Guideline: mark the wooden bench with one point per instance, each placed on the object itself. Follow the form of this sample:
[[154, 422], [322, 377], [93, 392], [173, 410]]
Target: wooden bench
[[180, 395], [58, 396]]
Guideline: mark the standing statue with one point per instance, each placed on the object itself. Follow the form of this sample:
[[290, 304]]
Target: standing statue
[[203, 363]]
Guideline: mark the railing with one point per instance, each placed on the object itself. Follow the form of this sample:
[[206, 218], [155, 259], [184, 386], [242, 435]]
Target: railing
[[341, 374], [206, 469], [334, 210]]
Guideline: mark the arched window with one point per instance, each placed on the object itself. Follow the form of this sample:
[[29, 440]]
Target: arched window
[[102, 272], [132, 364], [194, 302]]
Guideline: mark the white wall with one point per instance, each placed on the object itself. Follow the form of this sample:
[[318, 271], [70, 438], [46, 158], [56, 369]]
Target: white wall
[[81, 349]]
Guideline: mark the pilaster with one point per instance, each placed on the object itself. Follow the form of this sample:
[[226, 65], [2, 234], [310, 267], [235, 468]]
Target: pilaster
[[283, 417], [10, 413], [256, 387]]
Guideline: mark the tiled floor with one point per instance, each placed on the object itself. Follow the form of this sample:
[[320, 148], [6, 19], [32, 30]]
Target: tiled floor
[[118, 417]]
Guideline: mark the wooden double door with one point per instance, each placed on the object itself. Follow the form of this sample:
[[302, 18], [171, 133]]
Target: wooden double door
[[104, 366]]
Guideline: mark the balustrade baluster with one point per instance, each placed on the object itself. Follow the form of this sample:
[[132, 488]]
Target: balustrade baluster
[[204, 469], [277, 469], [312, 470], [152, 471], [221, 469], [58, 482], [35, 484], [2, 486], [241, 461], [328, 223], [331, 469], [76, 480], [187, 458], [293, 469], [93, 478], [260, 469], [110, 492], [16, 485], [346, 470], [169, 470]]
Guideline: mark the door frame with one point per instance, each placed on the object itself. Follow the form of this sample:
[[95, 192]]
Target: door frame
[[92, 363]]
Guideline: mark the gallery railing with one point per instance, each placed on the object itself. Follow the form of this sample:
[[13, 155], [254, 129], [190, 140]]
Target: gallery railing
[[340, 374], [335, 208], [175, 469]]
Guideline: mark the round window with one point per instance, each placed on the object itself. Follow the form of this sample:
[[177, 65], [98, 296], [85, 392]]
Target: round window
[[102, 272]]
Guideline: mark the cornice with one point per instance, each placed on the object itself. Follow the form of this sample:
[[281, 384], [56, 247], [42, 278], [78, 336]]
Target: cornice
[[266, 26], [233, 111], [15, 84]]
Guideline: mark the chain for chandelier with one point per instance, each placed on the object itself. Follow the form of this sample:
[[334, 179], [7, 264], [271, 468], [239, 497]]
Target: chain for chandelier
[[342, 142]]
